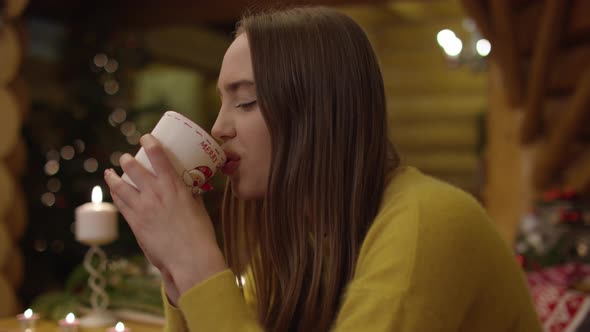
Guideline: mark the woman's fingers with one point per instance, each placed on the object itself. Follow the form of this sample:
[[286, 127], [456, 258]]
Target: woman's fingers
[[123, 190], [125, 209], [158, 158], [136, 171]]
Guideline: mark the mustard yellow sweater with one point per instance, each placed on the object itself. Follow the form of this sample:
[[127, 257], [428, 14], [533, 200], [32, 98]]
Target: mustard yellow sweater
[[431, 261]]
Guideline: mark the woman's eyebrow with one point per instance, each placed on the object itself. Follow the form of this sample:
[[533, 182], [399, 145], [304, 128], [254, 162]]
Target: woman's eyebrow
[[235, 86]]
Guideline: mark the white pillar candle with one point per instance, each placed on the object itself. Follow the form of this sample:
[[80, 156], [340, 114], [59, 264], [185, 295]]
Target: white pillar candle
[[96, 221]]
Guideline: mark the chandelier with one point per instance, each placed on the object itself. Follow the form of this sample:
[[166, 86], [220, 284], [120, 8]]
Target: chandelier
[[471, 52]]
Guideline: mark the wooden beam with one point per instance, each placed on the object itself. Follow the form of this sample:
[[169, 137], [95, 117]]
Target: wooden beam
[[150, 13], [526, 26], [555, 153], [12, 53], [547, 41], [508, 195], [478, 12], [555, 108], [421, 11], [578, 28], [565, 70], [520, 4], [506, 51]]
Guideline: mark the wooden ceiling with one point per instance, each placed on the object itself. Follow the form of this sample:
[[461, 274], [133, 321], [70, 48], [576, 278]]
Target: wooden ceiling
[[155, 12]]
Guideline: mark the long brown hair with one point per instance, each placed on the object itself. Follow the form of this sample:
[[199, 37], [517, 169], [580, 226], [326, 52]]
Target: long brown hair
[[320, 91]]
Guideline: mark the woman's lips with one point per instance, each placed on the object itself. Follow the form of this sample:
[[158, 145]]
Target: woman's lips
[[232, 163], [230, 167]]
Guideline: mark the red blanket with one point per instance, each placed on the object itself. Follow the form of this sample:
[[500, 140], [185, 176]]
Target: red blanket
[[559, 305]]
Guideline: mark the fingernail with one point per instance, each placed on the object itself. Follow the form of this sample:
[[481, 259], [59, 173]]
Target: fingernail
[[124, 157], [146, 138]]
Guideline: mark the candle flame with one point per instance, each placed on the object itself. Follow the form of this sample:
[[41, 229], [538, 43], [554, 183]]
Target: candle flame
[[120, 327], [96, 194], [70, 318], [28, 313]]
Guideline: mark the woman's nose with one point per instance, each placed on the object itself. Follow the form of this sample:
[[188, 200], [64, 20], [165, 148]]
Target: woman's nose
[[223, 128]]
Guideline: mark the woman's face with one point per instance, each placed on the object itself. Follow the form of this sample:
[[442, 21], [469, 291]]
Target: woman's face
[[240, 125]]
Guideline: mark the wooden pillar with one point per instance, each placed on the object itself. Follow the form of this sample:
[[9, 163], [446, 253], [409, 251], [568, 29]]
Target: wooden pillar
[[508, 193]]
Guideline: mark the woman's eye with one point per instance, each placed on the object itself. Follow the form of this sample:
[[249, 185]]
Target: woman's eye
[[246, 105]]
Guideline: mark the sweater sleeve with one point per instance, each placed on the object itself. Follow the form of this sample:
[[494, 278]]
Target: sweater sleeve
[[217, 304], [174, 318]]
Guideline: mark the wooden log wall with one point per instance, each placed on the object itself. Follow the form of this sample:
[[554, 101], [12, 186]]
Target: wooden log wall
[[434, 110], [14, 103]]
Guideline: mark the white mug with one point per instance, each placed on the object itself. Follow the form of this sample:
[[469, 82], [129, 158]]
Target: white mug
[[196, 156]]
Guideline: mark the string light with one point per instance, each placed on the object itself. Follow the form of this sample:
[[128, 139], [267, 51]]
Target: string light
[[51, 167], [80, 145], [119, 115], [115, 156], [450, 43], [40, 245], [111, 66], [133, 139], [100, 60], [48, 199], [443, 37], [53, 185], [90, 165], [472, 54], [67, 152], [483, 47], [128, 128], [111, 121], [111, 87]]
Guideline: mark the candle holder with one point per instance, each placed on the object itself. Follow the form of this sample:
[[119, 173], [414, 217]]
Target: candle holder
[[27, 320], [69, 324], [96, 224], [95, 262], [120, 327]]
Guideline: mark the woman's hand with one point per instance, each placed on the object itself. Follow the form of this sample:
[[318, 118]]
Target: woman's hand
[[172, 228]]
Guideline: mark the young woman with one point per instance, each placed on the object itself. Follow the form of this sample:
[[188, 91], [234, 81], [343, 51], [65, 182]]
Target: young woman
[[322, 226]]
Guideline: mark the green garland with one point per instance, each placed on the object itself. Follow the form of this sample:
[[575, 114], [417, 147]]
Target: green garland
[[129, 286]]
